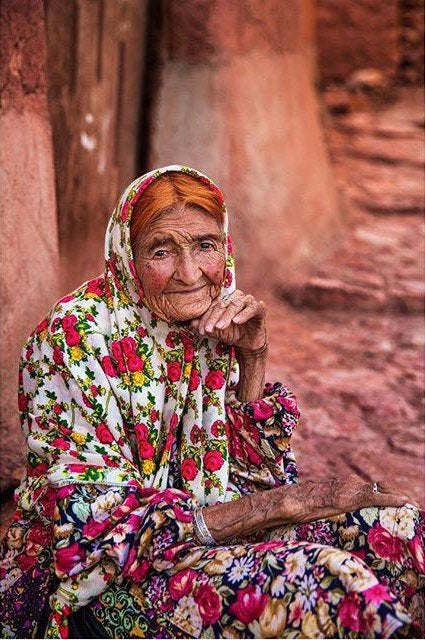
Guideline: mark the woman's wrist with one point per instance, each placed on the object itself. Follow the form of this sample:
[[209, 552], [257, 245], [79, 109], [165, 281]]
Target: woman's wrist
[[243, 353]]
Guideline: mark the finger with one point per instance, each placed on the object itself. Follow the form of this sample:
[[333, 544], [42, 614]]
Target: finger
[[235, 307], [211, 316], [244, 315], [388, 499], [219, 309]]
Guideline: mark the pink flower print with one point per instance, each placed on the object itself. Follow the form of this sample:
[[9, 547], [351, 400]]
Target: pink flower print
[[262, 410], [209, 603], [214, 380], [69, 557], [103, 434], [249, 604], [189, 469], [350, 611], [213, 460], [134, 362], [174, 370], [108, 367], [128, 345], [181, 584], [384, 544], [72, 338], [194, 381]]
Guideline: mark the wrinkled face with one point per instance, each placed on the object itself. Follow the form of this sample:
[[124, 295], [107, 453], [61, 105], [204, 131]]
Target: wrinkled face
[[180, 261]]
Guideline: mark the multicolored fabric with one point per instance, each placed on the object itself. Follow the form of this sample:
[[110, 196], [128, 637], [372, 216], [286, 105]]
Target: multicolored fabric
[[106, 389], [130, 424], [350, 576]]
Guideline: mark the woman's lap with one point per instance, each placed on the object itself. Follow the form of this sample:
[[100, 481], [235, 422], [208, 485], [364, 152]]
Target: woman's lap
[[325, 579]]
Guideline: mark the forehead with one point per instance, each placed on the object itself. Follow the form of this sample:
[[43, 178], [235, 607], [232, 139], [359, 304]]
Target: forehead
[[183, 221]]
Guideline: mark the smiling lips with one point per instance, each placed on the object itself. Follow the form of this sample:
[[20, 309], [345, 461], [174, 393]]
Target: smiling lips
[[188, 290]]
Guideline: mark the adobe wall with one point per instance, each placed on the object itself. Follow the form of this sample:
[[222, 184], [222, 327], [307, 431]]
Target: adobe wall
[[29, 245], [236, 99]]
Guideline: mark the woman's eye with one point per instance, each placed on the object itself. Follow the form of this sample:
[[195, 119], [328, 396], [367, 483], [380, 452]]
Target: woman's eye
[[206, 245], [160, 253]]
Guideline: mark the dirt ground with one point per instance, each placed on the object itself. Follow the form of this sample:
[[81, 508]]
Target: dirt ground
[[349, 338]]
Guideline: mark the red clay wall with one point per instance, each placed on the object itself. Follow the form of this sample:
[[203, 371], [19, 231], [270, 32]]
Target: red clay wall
[[29, 246]]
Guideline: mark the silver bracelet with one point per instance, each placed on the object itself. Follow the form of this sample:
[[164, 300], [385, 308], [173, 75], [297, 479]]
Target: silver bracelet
[[202, 533]]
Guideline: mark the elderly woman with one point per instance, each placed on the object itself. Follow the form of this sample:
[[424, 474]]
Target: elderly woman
[[161, 495]]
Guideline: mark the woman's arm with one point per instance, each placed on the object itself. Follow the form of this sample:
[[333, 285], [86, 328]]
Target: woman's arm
[[252, 370], [309, 500]]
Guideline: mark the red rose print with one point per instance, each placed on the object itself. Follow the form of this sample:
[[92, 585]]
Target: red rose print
[[103, 433], [42, 326], [249, 604], [146, 450], [189, 352], [134, 362], [262, 410], [216, 426], [194, 381], [141, 430], [57, 355], [290, 404], [72, 338], [69, 321], [60, 443], [384, 544], [128, 345], [209, 603], [215, 380], [174, 371], [26, 562], [169, 340], [108, 367], [189, 469], [213, 460], [181, 584], [142, 332], [22, 401]]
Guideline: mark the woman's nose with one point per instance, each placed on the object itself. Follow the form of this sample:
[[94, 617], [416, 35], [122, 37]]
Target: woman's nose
[[187, 269]]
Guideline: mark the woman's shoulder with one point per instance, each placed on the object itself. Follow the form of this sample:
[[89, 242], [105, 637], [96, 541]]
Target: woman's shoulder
[[83, 310]]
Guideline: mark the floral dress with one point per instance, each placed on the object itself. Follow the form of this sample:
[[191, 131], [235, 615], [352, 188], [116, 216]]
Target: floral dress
[[130, 424]]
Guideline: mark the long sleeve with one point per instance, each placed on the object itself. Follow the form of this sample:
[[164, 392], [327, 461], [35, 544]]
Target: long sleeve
[[259, 435]]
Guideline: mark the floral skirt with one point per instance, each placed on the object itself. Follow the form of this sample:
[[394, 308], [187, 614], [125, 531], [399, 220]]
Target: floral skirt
[[360, 574]]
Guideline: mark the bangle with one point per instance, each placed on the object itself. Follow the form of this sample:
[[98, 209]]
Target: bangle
[[202, 533]]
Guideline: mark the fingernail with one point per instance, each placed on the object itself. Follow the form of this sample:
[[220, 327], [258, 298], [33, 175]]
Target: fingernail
[[220, 324], [209, 327]]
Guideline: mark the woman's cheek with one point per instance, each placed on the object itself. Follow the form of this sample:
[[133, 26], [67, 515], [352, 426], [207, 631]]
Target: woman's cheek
[[155, 277], [214, 269]]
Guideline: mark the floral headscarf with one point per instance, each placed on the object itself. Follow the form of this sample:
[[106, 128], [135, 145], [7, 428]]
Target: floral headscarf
[[142, 377]]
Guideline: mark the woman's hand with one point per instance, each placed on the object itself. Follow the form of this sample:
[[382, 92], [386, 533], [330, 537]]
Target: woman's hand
[[238, 320], [313, 500]]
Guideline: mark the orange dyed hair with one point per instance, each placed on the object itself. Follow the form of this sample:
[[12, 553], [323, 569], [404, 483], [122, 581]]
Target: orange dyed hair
[[168, 190]]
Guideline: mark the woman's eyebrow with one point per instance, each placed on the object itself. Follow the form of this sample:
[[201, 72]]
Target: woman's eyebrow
[[208, 236], [159, 241]]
